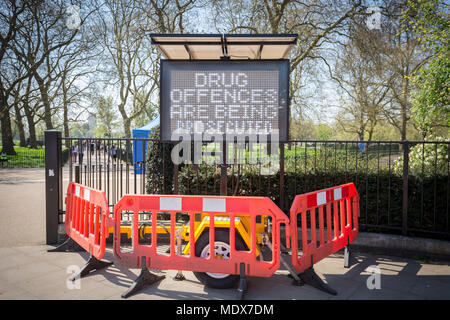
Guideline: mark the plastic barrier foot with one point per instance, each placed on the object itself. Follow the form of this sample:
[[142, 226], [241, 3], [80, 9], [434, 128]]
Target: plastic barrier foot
[[179, 277], [296, 282], [242, 283], [67, 246], [283, 249], [92, 264], [145, 278], [309, 276]]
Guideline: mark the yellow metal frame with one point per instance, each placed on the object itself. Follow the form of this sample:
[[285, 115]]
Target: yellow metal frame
[[239, 226], [242, 225]]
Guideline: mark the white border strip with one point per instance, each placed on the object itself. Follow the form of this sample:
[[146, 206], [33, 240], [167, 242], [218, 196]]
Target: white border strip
[[87, 194], [321, 198], [337, 193], [214, 205], [166, 203]]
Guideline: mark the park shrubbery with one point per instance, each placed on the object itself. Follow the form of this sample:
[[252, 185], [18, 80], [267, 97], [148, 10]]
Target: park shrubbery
[[159, 169], [426, 159], [31, 158], [380, 188]]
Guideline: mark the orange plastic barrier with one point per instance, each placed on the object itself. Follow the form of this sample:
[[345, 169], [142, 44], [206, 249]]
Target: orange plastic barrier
[[87, 218], [232, 207], [331, 216], [336, 210]]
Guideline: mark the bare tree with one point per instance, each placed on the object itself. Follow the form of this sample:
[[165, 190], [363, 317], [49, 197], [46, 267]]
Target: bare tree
[[319, 24], [167, 16], [17, 100], [75, 80], [403, 58], [11, 15], [122, 29], [364, 81], [316, 21], [45, 46]]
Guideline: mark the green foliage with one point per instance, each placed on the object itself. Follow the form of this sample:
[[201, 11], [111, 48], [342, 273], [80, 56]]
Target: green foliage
[[27, 158], [159, 169], [429, 20], [426, 159], [310, 168], [30, 158], [323, 132], [106, 117], [301, 129], [431, 99], [340, 157], [381, 193]]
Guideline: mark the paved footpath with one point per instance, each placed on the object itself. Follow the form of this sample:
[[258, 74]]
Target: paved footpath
[[28, 271]]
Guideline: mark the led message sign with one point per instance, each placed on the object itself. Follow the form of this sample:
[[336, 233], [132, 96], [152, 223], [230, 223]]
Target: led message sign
[[219, 98]]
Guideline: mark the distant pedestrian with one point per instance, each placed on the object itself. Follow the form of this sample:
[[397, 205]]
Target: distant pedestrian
[[362, 146], [81, 152], [114, 151], [74, 153]]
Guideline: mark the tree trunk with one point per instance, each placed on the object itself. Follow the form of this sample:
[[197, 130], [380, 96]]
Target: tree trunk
[[66, 120], [404, 122], [127, 127], [65, 106], [126, 120], [7, 138], [44, 95], [30, 117], [31, 126], [20, 126]]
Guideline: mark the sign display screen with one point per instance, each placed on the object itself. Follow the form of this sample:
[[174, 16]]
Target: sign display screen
[[247, 98]]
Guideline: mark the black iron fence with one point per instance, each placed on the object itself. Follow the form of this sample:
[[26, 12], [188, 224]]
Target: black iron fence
[[404, 186]]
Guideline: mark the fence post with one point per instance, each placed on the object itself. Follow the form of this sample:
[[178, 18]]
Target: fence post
[[175, 179], [282, 191], [405, 187], [223, 170], [77, 173], [53, 184]]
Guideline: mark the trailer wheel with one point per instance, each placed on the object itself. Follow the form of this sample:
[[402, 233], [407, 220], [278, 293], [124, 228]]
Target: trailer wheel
[[222, 249]]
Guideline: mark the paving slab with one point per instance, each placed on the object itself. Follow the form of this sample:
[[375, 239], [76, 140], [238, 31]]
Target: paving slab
[[432, 289], [28, 271], [363, 293]]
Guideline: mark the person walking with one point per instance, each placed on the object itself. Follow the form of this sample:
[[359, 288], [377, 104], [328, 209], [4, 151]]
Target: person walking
[[81, 152], [114, 152], [362, 146], [74, 153]]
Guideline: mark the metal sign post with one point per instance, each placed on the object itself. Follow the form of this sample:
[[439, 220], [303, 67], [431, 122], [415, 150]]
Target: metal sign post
[[215, 86]]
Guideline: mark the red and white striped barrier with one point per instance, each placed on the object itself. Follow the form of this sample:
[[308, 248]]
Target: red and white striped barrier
[[336, 210]]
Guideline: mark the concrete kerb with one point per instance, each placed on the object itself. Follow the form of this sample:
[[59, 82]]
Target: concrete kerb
[[408, 247]]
